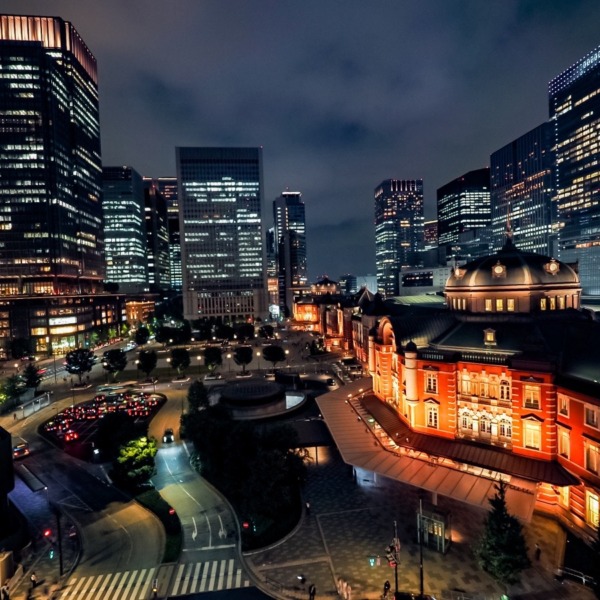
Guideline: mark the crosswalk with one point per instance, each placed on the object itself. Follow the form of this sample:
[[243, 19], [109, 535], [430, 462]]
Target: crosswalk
[[172, 580]]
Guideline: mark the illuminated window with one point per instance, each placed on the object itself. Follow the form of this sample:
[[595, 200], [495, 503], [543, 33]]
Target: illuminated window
[[431, 383], [561, 303], [592, 509], [591, 457], [552, 303], [499, 304], [488, 304], [466, 383], [504, 390], [564, 442], [531, 396], [505, 427], [532, 434], [466, 420], [432, 415], [542, 303], [563, 496], [510, 304], [489, 337]]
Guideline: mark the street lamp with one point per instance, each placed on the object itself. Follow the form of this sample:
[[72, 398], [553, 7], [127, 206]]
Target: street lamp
[[199, 364], [258, 356], [287, 357], [170, 367], [229, 361]]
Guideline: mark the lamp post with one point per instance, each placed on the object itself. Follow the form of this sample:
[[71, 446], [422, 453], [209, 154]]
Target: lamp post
[[229, 361], [287, 357], [170, 367], [199, 364], [258, 356]]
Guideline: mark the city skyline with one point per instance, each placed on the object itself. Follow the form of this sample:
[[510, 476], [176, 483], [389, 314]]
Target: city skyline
[[339, 102]]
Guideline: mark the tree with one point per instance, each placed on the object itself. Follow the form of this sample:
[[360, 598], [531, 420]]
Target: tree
[[502, 551], [243, 356], [31, 377], [147, 360], [180, 359], [273, 354], [142, 335], [135, 463], [79, 361], [114, 362], [213, 358], [11, 389], [245, 332], [197, 396]]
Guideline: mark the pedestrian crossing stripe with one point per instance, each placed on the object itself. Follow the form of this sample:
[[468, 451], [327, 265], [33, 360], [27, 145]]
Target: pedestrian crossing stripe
[[189, 578], [209, 576]]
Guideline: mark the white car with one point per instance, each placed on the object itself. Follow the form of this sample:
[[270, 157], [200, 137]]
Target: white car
[[213, 377]]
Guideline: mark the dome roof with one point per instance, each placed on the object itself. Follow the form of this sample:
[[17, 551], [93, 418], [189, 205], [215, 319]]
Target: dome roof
[[511, 268]]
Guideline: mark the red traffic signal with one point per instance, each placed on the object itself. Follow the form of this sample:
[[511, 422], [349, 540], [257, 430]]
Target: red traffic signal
[[171, 511], [246, 525], [47, 533]]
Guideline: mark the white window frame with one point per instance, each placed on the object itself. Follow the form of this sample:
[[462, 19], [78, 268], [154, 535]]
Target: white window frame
[[531, 396], [564, 442], [431, 382], [532, 435], [504, 389], [563, 496], [592, 457], [563, 405], [432, 415], [505, 427], [592, 411]]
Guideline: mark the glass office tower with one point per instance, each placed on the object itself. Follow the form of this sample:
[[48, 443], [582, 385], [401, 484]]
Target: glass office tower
[[222, 236], [50, 166], [289, 220], [575, 114], [168, 187], [463, 205], [125, 229], [157, 235], [522, 188], [399, 236]]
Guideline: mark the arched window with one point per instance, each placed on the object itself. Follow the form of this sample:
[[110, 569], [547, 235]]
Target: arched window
[[466, 420], [504, 390], [485, 424], [505, 427]]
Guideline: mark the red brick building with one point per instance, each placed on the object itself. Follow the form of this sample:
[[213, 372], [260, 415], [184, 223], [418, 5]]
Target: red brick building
[[502, 382]]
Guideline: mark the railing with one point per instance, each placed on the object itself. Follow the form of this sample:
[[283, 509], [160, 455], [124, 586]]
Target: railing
[[587, 580]]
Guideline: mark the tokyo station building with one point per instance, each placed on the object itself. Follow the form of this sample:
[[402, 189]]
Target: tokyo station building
[[501, 383]]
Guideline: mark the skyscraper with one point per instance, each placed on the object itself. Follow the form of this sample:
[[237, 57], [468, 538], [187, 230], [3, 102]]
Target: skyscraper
[[125, 229], [521, 192], [52, 244], [463, 208], [157, 235], [398, 230], [290, 242], [222, 236], [50, 165], [575, 114], [168, 187]]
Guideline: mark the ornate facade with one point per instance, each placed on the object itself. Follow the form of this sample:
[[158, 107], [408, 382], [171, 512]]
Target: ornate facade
[[505, 377]]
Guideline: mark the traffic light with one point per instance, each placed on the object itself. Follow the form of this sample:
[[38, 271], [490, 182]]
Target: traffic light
[[372, 561], [51, 553], [48, 534]]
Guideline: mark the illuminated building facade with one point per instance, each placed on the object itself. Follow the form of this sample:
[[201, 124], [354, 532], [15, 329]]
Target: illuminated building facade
[[125, 229], [501, 384], [575, 114], [52, 250], [157, 236], [222, 238], [522, 184], [398, 230], [289, 221], [168, 187], [463, 205]]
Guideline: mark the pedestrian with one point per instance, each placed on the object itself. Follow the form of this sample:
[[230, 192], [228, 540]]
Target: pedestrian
[[307, 508], [14, 416], [386, 588], [538, 552], [312, 590], [33, 579]]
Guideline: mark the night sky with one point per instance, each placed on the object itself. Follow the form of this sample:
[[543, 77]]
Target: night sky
[[340, 94]]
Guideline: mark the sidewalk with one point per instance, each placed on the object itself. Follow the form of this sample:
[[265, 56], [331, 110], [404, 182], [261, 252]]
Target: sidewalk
[[350, 522]]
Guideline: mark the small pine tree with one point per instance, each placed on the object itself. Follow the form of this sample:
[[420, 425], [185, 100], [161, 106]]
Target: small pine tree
[[502, 550]]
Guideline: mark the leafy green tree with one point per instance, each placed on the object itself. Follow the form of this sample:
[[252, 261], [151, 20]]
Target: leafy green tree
[[142, 335], [273, 354], [502, 550], [135, 463], [147, 360], [180, 360], [12, 389], [79, 362], [114, 362], [213, 358], [243, 356], [31, 377]]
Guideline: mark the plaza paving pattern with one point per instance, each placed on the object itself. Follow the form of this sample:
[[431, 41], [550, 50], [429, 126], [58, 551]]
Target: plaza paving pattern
[[351, 520]]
